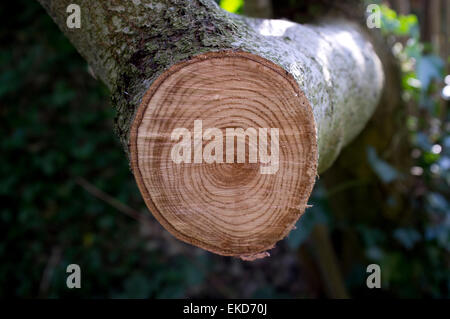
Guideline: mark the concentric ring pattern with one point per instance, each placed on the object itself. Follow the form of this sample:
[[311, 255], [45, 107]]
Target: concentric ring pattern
[[227, 208]]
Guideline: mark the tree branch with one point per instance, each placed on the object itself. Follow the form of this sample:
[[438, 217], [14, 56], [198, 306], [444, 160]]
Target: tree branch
[[171, 62]]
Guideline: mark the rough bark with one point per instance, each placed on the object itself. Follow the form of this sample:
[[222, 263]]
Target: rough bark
[[129, 45]]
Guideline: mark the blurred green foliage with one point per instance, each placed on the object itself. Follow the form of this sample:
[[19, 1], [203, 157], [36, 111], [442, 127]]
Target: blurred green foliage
[[56, 125], [399, 25], [234, 6], [428, 123], [385, 172]]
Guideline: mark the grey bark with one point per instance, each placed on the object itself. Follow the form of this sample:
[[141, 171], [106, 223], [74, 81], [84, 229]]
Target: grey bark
[[129, 44]]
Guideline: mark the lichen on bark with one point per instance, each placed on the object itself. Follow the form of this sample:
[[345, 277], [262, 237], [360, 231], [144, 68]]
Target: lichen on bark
[[129, 44]]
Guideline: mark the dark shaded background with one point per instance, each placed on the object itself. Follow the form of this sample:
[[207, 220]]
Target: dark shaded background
[[67, 195]]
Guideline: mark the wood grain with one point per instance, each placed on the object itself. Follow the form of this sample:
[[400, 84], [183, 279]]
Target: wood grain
[[227, 208]]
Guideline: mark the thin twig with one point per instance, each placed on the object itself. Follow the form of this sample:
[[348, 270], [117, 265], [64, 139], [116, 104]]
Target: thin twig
[[96, 192], [54, 259]]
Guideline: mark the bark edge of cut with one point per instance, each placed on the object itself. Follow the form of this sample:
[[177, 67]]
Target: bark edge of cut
[[290, 191]]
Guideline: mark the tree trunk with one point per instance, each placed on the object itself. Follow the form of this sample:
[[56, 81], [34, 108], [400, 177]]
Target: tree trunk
[[182, 69]]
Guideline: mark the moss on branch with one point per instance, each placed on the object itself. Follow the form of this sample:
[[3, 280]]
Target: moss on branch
[[129, 44]]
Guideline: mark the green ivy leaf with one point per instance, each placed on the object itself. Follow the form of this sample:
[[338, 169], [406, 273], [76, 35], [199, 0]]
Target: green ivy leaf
[[429, 67], [233, 6], [408, 237], [385, 172]]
